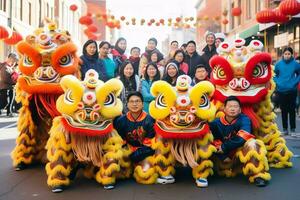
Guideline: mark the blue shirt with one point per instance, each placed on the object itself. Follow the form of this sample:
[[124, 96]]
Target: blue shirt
[[287, 75], [146, 85], [92, 63], [110, 67]]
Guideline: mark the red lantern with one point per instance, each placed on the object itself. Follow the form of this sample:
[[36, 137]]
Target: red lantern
[[178, 19], [236, 11], [279, 17], [157, 23], [225, 21], [152, 21], [265, 16], [73, 7], [14, 38], [122, 18], [162, 21], [3, 32], [149, 23], [289, 7], [86, 20], [92, 28]]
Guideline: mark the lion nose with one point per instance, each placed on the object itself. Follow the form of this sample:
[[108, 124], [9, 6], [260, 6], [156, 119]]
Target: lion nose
[[239, 83]]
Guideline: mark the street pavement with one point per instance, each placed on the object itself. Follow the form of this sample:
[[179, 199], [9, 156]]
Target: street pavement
[[31, 183]]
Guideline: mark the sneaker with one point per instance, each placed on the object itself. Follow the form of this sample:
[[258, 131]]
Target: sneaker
[[20, 166], [202, 182], [109, 187], [285, 132], [165, 179], [57, 189], [259, 182]]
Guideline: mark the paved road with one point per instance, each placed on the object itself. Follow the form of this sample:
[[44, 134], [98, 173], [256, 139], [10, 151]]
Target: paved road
[[31, 183]]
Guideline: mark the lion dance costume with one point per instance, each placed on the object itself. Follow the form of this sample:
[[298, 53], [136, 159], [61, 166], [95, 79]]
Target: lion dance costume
[[47, 56], [245, 72], [182, 132], [84, 132]]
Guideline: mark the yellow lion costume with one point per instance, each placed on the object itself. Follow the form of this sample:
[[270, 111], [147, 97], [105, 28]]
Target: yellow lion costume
[[84, 132], [46, 56], [245, 72], [182, 132]]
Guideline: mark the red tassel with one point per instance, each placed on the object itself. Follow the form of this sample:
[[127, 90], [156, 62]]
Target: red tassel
[[181, 135]]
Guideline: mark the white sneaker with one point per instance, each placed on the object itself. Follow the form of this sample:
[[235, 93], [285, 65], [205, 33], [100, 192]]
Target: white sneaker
[[165, 179], [108, 187], [201, 182]]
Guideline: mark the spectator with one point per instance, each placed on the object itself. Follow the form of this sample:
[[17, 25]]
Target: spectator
[[200, 74], [130, 81], [154, 59], [287, 77], [151, 75], [179, 57], [118, 52], [183, 47], [171, 72], [109, 64], [220, 37], [209, 50], [7, 82], [173, 48], [192, 58], [151, 46], [90, 60], [135, 59]]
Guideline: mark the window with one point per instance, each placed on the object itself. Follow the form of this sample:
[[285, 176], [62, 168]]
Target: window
[[248, 8], [21, 10], [3, 5], [29, 16]]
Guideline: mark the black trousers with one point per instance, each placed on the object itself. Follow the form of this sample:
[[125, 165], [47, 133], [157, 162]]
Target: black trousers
[[287, 103], [6, 99]]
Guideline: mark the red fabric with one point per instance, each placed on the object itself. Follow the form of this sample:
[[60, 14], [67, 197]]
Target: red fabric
[[86, 131], [184, 67], [245, 135], [217, 143], [248, 110], [181, 135], [117, 54]]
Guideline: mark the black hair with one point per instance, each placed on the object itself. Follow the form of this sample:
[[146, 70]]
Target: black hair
[[174, 41], [127, 83], [104, 43], [290, 49], [12, 55], [166, 76], [156, 77], [154, 40], [135, 93], [183, 45], [177, 52], [232, 98], [121, 51], [151, 53], [200, 66], [191, 42], [84, 52], [133, 48]]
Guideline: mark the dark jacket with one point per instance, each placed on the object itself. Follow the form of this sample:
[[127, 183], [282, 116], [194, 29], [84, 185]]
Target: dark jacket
[[192, 62], [6, 81], [135, 63], [92, 63], [207, 56]]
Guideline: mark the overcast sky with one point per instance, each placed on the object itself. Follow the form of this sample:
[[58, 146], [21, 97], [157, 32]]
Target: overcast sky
[[138, 35]]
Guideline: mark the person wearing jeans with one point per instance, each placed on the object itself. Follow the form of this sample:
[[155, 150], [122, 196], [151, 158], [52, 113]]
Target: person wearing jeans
[[287, 77]]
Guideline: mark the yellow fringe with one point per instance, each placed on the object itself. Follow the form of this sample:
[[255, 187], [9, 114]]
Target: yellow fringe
[[170, 170]]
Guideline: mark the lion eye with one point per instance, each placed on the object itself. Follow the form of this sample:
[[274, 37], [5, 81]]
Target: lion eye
[[260, 70], [68, 97], [27, 62], [204, 102], [65, 61], [219, 73], [110, 100], [160, 102]]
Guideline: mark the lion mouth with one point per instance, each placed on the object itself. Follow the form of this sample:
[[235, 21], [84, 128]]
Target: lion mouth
[[181, 127], [251, 91], [88, 124]]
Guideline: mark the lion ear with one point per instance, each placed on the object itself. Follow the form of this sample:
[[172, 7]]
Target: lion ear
[[165, 89], [70, 82], [113, 85]]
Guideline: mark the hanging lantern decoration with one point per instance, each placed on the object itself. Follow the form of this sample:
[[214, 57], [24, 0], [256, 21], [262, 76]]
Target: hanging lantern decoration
[[92, 28], [157, 23], [178, 19], [187, 26], [205, 18], [192, 18], [89, 14], [149, 23], [162, 21], [217, 18], [127, 23], [73, 7], [4, 33], [225, 12], [225, 21], [265, 16], [143, 21], [170, 20], [279, 17], [186, 19], [152, 21], [14, 38], [237, 11], [289, 7], [86, 20], [122, 18]]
